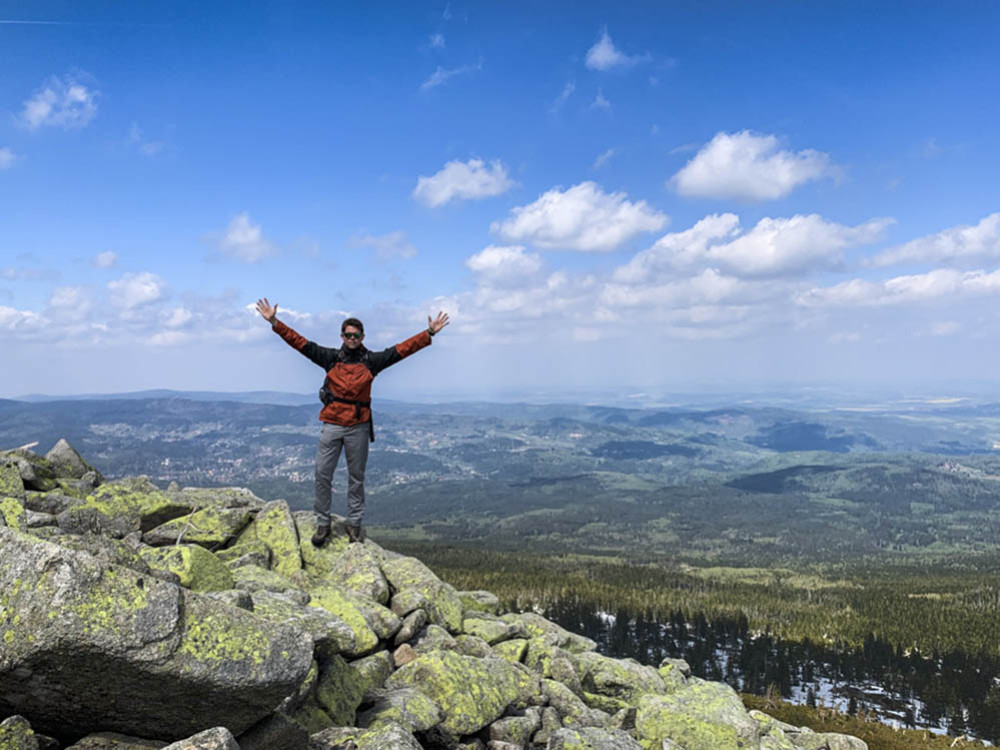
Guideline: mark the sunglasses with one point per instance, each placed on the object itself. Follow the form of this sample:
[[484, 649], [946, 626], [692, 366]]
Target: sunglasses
[[352, 335]]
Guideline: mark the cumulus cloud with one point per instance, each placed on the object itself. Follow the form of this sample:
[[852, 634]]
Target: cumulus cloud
[[499, 264], [600, 102], [679, 249], [386, 246], [458, 181], [581, 218], [443, 75], [244, 240], [749, 166], [13, 320], [107, 259], [959, 245], [136, 290], [178, 317], [61, 102], [942, 283], [605, 56], [7, 158]]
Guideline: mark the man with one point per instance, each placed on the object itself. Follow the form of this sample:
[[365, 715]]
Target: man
[[346, 412]]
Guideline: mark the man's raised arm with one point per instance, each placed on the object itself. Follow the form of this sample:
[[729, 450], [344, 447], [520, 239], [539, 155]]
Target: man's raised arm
[[392, 355], [320, 355]]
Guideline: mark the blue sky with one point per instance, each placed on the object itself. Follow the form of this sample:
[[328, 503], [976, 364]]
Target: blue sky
[[625, 197]]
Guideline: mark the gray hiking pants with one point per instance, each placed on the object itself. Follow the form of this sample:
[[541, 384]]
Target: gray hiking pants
[[354, 441]]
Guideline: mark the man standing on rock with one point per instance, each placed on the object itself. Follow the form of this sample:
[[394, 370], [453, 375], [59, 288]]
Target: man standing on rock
[[346, 412]]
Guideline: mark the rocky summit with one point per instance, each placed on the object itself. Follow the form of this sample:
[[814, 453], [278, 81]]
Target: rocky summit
[[203, 618]]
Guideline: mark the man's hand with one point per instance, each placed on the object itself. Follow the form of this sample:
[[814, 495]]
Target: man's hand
[[270, 314], [433, 326]]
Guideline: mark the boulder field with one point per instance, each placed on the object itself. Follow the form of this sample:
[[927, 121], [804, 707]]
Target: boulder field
[[203, 619]]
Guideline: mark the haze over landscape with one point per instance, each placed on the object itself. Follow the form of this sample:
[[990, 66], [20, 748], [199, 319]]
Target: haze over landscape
[[603, 199]]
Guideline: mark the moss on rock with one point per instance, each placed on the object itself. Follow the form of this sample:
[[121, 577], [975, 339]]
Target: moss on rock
[[11, 484], [119, 508], [338, 603], [275, 527], [210, 527], [13, 513], [442, 603], [339, 691], [700, 716]]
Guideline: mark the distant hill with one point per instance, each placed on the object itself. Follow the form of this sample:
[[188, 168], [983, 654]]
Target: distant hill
[[279, 398]]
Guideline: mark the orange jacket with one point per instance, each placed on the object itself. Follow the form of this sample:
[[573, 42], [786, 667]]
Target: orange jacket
[[349, 374]]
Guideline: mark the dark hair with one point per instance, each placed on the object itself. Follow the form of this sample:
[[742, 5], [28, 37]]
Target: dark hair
[[353, 322]]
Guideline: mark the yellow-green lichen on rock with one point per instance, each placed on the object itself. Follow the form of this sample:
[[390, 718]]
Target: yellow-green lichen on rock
[[275, 527], [407, 707], [11, 484], [699, 716], [12, 512], [121, 507], [196, 567], [339, 691], [443, 606], [535, 626], [16, 734], [469, 692], [319, 562], [335, 601], [624, 679], [357, 569], [209, 527], [255, 578], [513, 651]]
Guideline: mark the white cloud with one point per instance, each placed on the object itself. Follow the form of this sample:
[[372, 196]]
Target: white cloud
[[437, 41], [565, 94], [748, 166], [600, 102], [178, 317], [73, 298], [244, 240], [14, 320], [386, 246], [959, 245], [604, 158], [7, 158], [64, 103], [581, 218], [793, 245], [169, 338], [945, 328], [136, 289], [458, 180], [678, 249], [942, 283], [107, 259], [442, 75], [605, 56], [498, 264]]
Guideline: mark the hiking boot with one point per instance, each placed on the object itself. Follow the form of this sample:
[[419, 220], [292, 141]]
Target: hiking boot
[[355, 534], [321, 535]]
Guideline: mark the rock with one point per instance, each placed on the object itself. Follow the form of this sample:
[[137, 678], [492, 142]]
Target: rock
[[339, 690], [698, 716], [443, 606], [33, 520], [11, 484], [433, 638], [479, 601], [587, 738], [233, 597], [516, 730], [624, 679], [807, 740], [121, 507], [407, 707], [571, 709], [275, 528], [386, 736], [171, 662], [115, 741], [470, 645], [16, 734], [215, 497], [493, 631], [512, 651], [536, 625], [36, 473], [49, 502], [357, 570], [330, 634], [470, 693], [251, 553], [253, 578], [66, 462], [682, 666], [195, 567], [276, 732], [211, 527], [405, 602], [13, 513], [551, 723], [403, 655], [352, 612], [412, 624], [218, 738], [319, 562], [372, 672]]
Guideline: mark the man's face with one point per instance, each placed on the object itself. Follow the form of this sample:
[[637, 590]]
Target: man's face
[[352, 337]]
